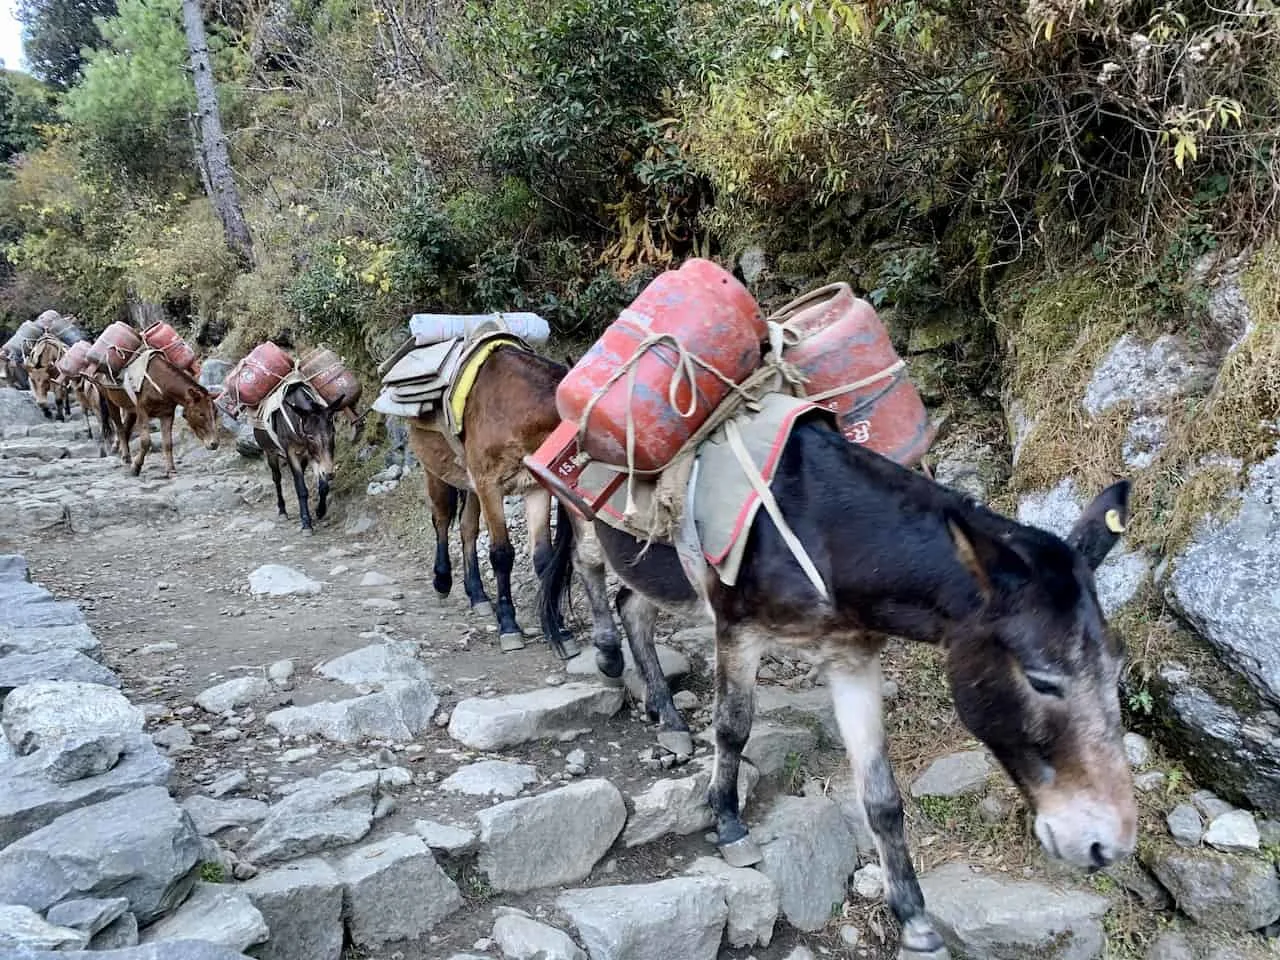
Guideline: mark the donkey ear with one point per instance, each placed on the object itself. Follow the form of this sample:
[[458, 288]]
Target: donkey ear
[[984, 556], [1101, 524], [194, 395]]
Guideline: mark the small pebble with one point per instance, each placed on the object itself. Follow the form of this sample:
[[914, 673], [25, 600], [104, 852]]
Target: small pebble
[[228, 734], [443, 718], [244, 871], [686, 700], [299, 753], [1149, 781], [850, 935], [200, 728]]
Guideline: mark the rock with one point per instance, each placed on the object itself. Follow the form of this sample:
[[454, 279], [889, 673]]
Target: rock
[[302, 905], [23, 927], [26, 605], [1138, 749], [753, 262], [277, 580], [299, 753], [376, 878], [444, 838], [1149, 781], [1209, 804], [227, 783], [227, 734], [374, 667], [1144, 439], [45, 712], [79, 756], [682, 917], [359, 524], [280, 672], [29, 800], [216, 913], [486, 777], [173, 736], [806, 706], [375, 579], [398, 712], [674, 665], [523, 939], [89, 916], [18, 669], [809, 853], [752, 899], [498, 722], [1141, 374], [331, 810], [1226, 891], [679, 805], [1135, 878], [37, 640], [119, 933], [956, 775], [1120, 576], [772, 746], [232, 693], [1223, 582], [1184, 825], [524, 844], [800, 953], [170, 950], [990, 918], [992, 809], [210, 816], [1233, 830], [868, 881], [139, 845], [13, 566]]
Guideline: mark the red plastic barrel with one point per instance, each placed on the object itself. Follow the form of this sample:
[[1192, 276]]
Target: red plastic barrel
[[257, 375], [161, 336], [716, 322], [115, 347], [73, 362], [844, 351], [337, 385]]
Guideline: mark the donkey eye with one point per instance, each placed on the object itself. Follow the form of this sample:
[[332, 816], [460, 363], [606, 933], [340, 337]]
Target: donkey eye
[[1046, 684]]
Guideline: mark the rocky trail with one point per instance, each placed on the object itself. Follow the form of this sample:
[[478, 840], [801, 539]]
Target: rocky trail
[[223, 737]]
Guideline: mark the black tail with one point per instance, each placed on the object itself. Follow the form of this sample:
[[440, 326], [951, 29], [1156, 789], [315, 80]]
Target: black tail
[[557, 576], [104, 419], [458, 500]]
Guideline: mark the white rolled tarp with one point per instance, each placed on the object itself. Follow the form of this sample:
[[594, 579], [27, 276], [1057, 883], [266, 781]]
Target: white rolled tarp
[[435, 327]]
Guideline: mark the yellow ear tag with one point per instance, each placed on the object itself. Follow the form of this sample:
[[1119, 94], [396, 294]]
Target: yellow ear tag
[[1114, 524]]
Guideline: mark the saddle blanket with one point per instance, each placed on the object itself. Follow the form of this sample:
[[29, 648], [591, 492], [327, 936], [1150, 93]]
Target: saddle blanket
[[135, 373], [724, 499], [262, 417]]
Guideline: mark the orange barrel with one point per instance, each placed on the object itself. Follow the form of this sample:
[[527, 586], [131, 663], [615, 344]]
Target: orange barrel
[[160, 336], [259, 373], [714, 320], [324, 370], [73, 362], [839, 344], [115, 347]]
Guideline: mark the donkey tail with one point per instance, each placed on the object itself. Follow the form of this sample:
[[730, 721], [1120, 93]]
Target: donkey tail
[[556, 578]]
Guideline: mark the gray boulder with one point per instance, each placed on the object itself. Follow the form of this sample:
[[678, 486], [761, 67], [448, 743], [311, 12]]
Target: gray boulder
[[772, 745], [210, 816], [13, 566], [35, 640], [80, 756], [376, 878], [683, 917], [29, 800], [23, 927], [678, 805], [988, 918], [89, 916], [955, 775], [277, 580], [18, 669], [498, 722], [1143, 374], [752, 899], [24, 605], [373, 667], [302, 904], [45, 712], [139, 845], [119, 933], [809, 852], [524, 844], [399, 712], [485, 777], [232, 693], [1185, 825], [1229, 892], [216, 913], [521, 938], [169, 950], [444, 838]]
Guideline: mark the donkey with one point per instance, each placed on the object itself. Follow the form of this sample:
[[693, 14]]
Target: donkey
[[511, 409], [14, 371], [90, 399], [1031, 664], [51, 392], [162, 391], [303, 437]]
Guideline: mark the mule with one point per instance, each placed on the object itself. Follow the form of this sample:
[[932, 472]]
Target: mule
[[1032, 667], [89, 399], [511, 409], [14, 371], [163, 390], [51, 393], [303, 437]]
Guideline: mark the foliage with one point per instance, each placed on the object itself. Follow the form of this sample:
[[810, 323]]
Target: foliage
[[57, 32], [25, 107]]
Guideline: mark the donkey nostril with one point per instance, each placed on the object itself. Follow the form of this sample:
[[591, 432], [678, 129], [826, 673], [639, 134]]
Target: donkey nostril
[[1101, 857]]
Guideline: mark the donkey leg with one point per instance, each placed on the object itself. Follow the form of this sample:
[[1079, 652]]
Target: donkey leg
[[273, 461], [444, 500], [144, 445], [503, 559], [737, 661], [537, 514], [299, 471], [588, 560], [166, 441], [127, 420], [856, 692], [639, 617], [472, 581]]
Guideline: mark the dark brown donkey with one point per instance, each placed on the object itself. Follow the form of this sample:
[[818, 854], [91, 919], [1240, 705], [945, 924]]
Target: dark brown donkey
[[1032, 666], [511, 409], [164, 389], [46, 384], [303, 437]]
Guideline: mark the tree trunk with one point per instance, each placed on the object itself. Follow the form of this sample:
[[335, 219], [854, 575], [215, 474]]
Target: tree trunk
[[220, 182]]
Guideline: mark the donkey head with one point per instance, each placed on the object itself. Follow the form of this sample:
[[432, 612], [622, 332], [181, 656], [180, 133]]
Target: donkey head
[[201, 417], [1035, 675], [314, 426]]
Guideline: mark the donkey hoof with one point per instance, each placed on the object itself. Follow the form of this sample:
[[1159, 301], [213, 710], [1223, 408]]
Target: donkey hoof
[[509, 642], [679, 742], [610, 664], [564, 646], [741, 853], [921, 942], [308, 532]]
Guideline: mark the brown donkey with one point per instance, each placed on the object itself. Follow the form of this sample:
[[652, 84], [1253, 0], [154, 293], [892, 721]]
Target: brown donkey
[[46, 384], [1032, 666], [511, 409], [301, 434], [162, 391], [89, 397]]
